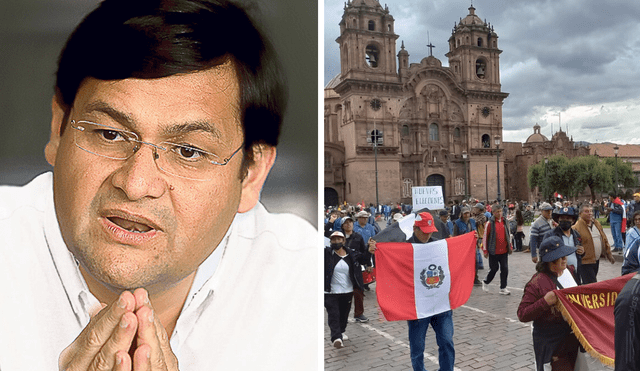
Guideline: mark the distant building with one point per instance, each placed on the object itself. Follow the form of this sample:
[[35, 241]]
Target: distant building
[[626, 152], [519, 156]]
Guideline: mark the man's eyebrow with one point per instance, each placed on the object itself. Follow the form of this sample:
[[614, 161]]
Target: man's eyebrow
[[119, 116], [189, 127], [168, 131]]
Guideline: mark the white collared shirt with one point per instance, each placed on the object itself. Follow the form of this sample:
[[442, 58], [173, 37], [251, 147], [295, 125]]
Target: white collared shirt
[[251, 296]]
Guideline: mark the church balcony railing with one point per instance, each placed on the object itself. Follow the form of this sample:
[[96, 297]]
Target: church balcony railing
[[382, 150], [485, 151]]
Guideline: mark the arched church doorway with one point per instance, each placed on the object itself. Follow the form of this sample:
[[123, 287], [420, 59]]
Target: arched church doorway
[[437, 180], [330, 197]]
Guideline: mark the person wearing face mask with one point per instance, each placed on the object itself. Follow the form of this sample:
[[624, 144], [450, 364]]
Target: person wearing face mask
[[341, 276], [565, 217]]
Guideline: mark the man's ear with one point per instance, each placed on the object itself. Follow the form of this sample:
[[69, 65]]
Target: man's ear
[[57, 118], [264, 156]]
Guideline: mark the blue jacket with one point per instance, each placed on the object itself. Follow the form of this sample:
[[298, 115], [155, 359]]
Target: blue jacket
[[615, 216], [366, 232], [460, 227]]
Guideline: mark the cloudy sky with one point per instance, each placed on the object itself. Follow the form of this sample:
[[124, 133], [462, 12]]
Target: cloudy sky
[[576, 58]]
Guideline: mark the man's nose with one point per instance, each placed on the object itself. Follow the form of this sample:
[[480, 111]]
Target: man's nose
[[139, 175]]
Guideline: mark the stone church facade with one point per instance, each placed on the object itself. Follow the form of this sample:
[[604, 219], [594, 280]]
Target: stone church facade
[[427, 116]]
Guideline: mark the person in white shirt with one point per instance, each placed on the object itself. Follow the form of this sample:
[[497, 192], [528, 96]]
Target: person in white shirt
[[147, 248]]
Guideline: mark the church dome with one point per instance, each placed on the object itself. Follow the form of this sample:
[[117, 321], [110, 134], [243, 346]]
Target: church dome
[[536, 137], [334, 82]]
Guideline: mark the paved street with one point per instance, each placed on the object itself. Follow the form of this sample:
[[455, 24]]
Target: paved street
[[487, 333]]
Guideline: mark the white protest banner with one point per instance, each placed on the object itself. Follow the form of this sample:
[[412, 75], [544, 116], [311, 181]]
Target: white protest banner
[[430, 197]]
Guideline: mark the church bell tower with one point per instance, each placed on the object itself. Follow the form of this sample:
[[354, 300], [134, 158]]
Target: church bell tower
[[474, 55], [367, 42]]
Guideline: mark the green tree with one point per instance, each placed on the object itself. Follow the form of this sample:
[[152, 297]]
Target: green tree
[[625, 173], [591, 172], [550, 177], [571, 177]]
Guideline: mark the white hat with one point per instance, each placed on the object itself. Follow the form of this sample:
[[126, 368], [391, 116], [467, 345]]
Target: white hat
[[337, 234], [362, 214]]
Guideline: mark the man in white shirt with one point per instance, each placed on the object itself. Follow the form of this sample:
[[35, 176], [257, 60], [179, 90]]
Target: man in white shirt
[[164, 124]]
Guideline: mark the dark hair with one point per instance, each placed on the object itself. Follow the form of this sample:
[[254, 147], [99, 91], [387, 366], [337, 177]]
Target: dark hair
[[158, 38], [519, 217], [543, 267], [634, 216]]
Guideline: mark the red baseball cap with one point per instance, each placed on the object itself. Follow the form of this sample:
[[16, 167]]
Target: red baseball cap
[[424, 221]]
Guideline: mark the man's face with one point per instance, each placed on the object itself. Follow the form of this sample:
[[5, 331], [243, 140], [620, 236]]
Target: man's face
[[443, 218], [636, 198], [347, 226], [97, 199], [423, 237], [337, 239], [586, 214], [362, 221], [546, 214], [466, 216], [497, 212], [563, 218]]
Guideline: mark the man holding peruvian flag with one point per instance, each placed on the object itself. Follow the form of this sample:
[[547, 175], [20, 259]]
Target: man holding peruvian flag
[[421, 281]]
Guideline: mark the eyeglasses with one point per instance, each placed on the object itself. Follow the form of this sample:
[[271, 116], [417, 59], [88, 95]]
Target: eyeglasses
[[185, 160]]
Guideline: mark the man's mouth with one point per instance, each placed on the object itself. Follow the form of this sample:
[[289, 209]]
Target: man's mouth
[[129, 225]]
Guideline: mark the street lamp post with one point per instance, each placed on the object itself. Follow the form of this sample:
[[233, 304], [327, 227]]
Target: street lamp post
[[375, 137], [615, 151], [497, 141], [546, 179], [466, 179]]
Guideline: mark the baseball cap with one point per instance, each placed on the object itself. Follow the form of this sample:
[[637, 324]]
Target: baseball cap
[[337, 234], [424, 221], [546, 206]]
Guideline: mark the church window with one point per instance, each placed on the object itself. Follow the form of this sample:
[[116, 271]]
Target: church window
[[372, 55], [327, 160], [456, 132], [389, 27], [372, 26], [486, 141], [457, 42], [479, 41], [405, 130], [434, 135], [481, 68]]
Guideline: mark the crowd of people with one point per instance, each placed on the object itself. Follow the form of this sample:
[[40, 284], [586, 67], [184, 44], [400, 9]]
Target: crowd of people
[[566, 243]]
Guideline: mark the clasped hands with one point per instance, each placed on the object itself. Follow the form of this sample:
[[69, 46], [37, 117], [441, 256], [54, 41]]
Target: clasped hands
[[123, 336]]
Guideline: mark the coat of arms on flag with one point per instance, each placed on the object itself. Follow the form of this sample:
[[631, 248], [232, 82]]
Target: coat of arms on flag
[[432, 277]]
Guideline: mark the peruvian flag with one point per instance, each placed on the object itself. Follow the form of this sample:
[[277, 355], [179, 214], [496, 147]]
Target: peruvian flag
[[419, 280]]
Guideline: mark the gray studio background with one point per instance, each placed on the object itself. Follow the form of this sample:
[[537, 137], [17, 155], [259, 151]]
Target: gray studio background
[[32, 32]]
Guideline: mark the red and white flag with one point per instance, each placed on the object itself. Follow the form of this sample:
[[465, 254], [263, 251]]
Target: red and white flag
[[420, 280]]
